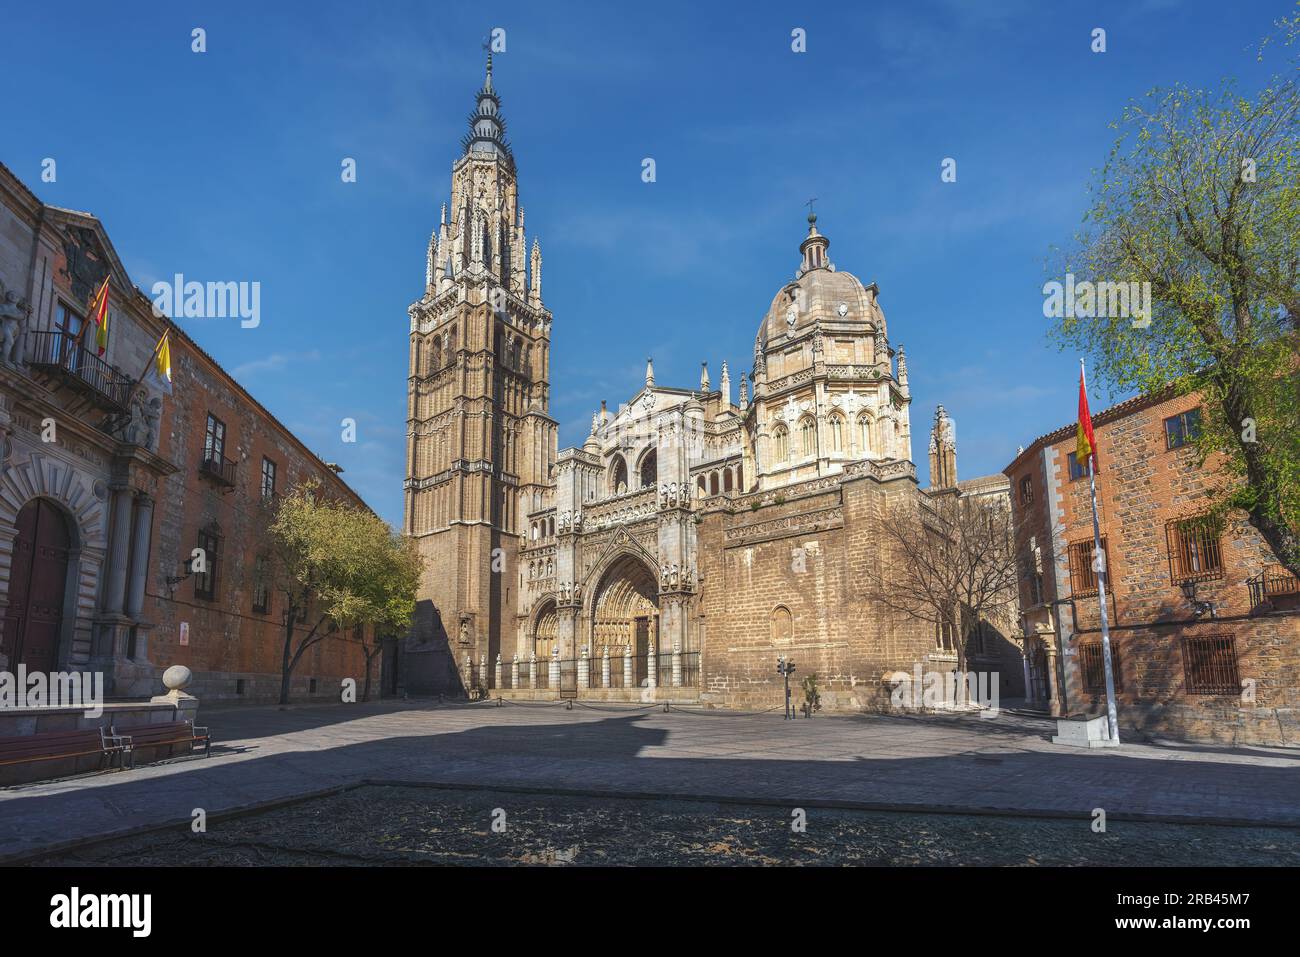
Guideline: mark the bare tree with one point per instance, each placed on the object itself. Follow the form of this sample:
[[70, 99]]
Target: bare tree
[[954, 563]]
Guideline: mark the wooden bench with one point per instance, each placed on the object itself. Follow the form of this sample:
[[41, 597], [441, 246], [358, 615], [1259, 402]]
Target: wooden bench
[[61, 745], [164, 735]]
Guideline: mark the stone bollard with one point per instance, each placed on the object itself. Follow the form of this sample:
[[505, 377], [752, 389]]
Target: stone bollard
[[584, 671], [482, 668], [627, 666], [514, 673], [469, 673], [604, 669], [555, 670], [652, 667], [677, 667], [532, 671], [176, 679], [496, 673]]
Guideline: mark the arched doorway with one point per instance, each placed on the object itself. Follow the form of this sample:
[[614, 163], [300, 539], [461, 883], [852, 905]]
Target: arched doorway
[[37, 586], [625, 613], [546, 630]]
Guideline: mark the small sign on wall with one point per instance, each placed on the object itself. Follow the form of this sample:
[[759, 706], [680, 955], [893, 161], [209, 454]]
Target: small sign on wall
[[185, 633]]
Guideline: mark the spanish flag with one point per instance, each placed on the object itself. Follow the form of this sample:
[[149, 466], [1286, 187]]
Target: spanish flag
[[1086, 443], [99, 316]]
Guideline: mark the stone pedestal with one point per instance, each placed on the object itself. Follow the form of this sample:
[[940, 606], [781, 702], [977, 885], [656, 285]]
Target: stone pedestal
[[584, 671], [652, 667], [604, 668], [1084, 732], [627, 667]]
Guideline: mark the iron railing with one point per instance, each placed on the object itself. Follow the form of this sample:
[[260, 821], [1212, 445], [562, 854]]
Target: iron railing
[[1274, 587], [218, 468], [81, 368]]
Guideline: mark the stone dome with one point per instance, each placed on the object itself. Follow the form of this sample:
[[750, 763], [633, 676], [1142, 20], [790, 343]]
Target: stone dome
[[821, 292]]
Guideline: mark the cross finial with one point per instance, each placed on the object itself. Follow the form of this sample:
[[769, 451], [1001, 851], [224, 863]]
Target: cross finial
[[812, 216]]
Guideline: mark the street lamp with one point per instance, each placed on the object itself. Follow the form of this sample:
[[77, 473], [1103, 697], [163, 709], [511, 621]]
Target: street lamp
[[1199, 607]]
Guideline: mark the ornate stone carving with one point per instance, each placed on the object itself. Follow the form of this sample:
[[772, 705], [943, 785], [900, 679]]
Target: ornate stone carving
[[14, 311]]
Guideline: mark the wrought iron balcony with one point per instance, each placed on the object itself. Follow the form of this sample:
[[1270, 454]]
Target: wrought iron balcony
[[1273, 589], [79, 367], [218, 468]]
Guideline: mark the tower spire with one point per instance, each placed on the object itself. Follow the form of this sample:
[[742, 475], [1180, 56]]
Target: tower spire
[[487, 127]]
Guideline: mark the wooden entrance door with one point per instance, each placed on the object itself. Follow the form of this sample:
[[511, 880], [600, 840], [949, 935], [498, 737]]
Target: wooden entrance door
[[37, 583]]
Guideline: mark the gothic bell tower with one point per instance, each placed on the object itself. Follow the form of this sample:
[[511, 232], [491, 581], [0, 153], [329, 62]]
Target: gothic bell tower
[[480, 442]]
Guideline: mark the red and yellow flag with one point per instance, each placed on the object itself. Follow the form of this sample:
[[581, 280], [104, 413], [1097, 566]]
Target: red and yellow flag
[[99, 316], [1086, 443]]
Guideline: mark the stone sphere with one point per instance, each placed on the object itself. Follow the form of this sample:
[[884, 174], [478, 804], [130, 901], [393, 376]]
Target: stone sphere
[[177, 677]]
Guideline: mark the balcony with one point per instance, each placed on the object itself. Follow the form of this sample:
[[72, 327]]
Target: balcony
[[78, 367], [1273, 589], [218, 468]]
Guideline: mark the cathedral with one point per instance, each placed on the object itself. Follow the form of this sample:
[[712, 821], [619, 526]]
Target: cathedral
[[697, 534]]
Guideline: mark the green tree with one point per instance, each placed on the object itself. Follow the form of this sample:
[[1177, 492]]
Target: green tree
[[338, 566], [1200, 198]]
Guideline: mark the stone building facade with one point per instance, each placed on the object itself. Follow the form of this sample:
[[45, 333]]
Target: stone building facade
[[712, 528], [108, 482], [1204, 624]]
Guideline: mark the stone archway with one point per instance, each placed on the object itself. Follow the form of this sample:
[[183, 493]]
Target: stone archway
[[81, 501], [546, 629], [625, 608], [38, 587]]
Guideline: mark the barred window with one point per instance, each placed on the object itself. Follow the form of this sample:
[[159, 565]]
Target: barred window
[[1027, 490], [1092, 663], [1210, 665], [205, 582], [1083, 572], [261, 595], [268, 478], [1182, 428], [1194, 553]]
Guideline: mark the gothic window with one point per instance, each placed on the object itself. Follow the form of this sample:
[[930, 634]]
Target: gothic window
[[713, 483], [433, 359], [837, 433], [617, 476], [550, 526], [701, 487], [864, 434], [650, 469], [781, 443], [727, 482], [808, 436]]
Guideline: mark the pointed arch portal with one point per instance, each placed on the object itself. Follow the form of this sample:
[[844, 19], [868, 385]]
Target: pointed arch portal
[[625, 613]]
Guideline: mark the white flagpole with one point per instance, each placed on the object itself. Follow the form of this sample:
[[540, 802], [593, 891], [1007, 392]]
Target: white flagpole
[[1101, 564]]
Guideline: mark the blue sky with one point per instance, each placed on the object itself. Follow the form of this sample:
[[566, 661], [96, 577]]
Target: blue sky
[[225, 166]]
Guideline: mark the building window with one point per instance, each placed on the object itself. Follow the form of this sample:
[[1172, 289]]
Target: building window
[[943, 636], [650, 469], [864, 434], [1077, 470], [782, 624], [1027, 490], [205, 582], [1210, 665], [1083, 570], [781, 443], [214, 440], [1092, 662], [268, 479], [1182, 428], [837, 433], [808, 436], [261, 594], [1194, 553]]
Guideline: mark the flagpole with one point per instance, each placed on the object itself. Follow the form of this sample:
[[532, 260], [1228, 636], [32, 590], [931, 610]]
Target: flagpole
[[153, 355], [1101, 563]]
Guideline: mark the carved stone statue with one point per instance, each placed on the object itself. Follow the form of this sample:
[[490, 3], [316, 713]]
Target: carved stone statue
[[14, 311]]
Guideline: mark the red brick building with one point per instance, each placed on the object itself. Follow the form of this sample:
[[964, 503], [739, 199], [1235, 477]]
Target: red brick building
[[1204, 623], [107, 484]]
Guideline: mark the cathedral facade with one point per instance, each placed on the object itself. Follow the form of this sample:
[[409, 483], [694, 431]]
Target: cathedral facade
[[697, 534]]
